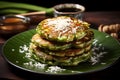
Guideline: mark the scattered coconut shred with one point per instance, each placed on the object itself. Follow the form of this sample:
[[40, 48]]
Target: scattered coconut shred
[[37, 65], [97, 49], [54, 69]]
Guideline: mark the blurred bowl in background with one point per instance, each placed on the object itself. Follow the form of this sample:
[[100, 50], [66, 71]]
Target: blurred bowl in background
[[13, 24], [69, 9]]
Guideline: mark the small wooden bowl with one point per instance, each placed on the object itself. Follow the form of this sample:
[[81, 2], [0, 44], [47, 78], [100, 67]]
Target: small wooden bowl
[[13, 24]]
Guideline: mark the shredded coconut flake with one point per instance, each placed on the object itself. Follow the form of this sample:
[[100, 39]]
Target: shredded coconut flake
[[98, 52], [107, 36], [103, 63], [60, 24], [36, 65], [95, 41], [23, 49], [17, 61], [28, 55], [13, 50], [54, 69]]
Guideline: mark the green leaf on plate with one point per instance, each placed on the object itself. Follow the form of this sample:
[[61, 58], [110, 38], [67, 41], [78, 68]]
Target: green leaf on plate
[[14, 54]]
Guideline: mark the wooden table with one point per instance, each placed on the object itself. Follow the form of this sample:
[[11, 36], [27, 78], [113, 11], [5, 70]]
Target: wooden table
[[95, 18]]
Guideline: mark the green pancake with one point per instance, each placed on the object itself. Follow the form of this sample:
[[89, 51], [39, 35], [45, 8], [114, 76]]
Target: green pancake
[[45, 44], [62, 29], [63, 41], [49, 59], [68, 52]]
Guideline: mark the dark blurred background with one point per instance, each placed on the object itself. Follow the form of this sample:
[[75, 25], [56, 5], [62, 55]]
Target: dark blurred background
[[91, 5]]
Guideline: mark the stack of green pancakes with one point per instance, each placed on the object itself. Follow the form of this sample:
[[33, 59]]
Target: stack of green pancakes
[[62, 41]]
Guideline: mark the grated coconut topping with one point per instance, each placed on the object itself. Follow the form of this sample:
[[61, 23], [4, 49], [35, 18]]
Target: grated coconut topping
[[60, 24]]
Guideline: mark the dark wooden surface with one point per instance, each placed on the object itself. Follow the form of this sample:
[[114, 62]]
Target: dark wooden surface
[[95, 18]]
